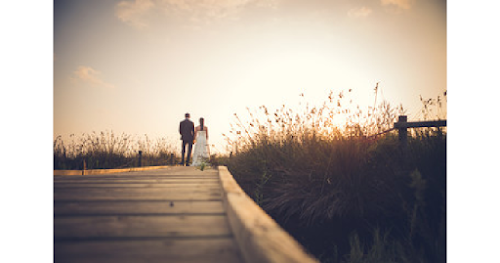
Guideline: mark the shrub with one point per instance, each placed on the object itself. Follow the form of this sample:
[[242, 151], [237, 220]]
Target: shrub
[[307, 170], [107, 150]]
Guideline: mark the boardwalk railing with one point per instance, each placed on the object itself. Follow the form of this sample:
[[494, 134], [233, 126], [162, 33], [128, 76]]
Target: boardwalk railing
[[259, 237], [402, 125]]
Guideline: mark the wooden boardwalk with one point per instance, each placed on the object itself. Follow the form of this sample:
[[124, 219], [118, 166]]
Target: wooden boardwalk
[[177, 214], [165, 215]]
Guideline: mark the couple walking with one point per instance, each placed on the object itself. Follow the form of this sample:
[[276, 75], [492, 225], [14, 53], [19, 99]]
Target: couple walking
[[198, 136]]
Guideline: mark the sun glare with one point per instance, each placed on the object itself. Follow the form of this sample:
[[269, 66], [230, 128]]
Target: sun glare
[[247, 56]]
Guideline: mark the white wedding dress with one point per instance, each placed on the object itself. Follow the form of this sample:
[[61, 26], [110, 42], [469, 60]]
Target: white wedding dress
[[201, 152]]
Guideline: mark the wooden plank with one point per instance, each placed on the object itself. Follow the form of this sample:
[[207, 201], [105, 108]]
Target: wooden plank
[[106, 171], [419, 124], [175, 171], [132, 175], [207, 186], [145, 177], [200, 250], [95, 227], [138, 207], [93, 194], [174, 215], [145, 181], [260, 238], [166, 170], [68, 172], [137, 180]]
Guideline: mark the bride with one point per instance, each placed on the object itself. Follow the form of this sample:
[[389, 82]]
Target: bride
[[201, 151]]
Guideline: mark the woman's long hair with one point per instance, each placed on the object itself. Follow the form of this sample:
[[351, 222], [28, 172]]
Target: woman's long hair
[[202, 122]]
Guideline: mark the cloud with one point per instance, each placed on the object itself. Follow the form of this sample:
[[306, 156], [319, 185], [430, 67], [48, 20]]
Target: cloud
[[134, 13], [360, 12], [204, 11], [403, 4], [91, 76]]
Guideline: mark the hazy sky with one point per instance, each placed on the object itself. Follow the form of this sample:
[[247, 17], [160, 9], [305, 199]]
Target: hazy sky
[[138, 66]]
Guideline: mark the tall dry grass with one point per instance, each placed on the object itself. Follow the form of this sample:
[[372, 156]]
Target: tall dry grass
[[331, 184], [108, 150]]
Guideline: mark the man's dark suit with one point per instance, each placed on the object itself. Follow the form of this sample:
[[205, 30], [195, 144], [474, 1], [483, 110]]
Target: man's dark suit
[[186, 129]]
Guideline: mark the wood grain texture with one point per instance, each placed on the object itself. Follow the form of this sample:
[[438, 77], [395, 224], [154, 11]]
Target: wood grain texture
[[161, 215], [172, 186], [179, 171], [260, 238], [200, 250], [136, 176], [144, 181], [138, 207], [106, 171], [92, 227], [103, 194]]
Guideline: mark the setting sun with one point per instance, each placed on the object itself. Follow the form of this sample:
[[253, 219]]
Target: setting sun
[[138, 66]]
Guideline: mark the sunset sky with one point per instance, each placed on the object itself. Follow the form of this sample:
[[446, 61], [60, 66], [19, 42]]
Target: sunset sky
[[138, 66], [134, 67]]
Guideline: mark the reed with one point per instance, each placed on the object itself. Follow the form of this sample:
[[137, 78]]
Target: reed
[[316, 175], [108, 150]]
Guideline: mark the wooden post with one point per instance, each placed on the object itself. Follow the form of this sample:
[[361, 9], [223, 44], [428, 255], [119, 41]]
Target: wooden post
[[403, 133], [140, 158], [84, 166]]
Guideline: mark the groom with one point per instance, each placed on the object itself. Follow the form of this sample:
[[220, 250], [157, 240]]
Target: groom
[[186, 129]]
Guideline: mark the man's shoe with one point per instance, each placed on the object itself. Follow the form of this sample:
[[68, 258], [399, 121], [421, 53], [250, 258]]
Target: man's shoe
[[181, 163]]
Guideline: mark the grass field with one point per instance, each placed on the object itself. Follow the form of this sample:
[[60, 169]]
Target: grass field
[[346, 196], [108, 150]]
